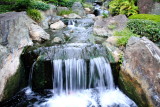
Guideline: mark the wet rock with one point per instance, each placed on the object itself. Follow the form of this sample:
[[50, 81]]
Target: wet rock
[[115, 52], [57, 25], [78, 8], [54, 19], [57, 40], [37, 33], [106, 26], [91, 16], [139, 73], [72, 16], [14, 36]]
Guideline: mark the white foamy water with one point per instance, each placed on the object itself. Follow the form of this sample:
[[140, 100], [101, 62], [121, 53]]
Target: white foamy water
[[90, 98]]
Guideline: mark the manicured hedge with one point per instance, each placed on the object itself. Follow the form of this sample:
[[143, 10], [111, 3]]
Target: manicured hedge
[[147, 28], [152, 17]]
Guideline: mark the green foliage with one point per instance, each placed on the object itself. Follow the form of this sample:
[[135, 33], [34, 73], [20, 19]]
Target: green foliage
[[34, 14], [66, 3], [147, 28], [39, 5], [22, 5], [126, 7], [65, 12], [105, 15], [124, 36], [87, 5], [152, 17], [5, 8]]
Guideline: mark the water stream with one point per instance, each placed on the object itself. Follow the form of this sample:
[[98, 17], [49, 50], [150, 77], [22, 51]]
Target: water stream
[[81, 75]]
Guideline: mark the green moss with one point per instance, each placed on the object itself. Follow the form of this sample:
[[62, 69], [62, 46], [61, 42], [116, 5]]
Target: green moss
[[151, 17], [42, 74], [133, 89]]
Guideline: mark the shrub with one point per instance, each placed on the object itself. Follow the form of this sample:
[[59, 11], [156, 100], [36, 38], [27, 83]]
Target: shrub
[[152, 17], [39, 5], [125, 35], [66, 3], [126, 7], [147, 28], [22, 5], [5, 8], [34, 14], [64, 12]]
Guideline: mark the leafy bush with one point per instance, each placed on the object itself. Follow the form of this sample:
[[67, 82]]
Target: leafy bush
[[66, 3], [34, 14], [22, 5], [126, 7], [152, 17], [147, 28], [39, 5], [5, 8], [64, 12], [125, 35]]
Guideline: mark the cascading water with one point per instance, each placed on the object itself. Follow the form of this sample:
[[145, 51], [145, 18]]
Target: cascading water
[[77, 85], [81, 74]]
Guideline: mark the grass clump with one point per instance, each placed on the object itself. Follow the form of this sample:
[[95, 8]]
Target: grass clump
[[151, 17], [124, 36], [34, 14], [65, 12]]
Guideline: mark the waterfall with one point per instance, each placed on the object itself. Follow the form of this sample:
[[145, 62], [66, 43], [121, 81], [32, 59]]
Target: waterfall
[[71, 23], [72, 75]]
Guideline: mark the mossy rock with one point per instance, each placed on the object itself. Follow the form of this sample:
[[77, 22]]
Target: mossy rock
[[42, 74], [133, 89], [15, 83]]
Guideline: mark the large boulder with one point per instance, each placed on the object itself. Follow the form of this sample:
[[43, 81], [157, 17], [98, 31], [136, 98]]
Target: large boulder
[[14, 36], [78, 8], [140, 72], [106, 26], [37, 33]]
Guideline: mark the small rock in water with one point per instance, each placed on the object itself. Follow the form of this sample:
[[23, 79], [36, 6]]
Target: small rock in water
[[57, 40], [57, 25]]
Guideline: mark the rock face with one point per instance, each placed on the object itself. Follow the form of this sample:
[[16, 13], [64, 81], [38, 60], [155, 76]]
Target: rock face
[[57, 25], [14, 36], [145, 5], [37, 33], [78, 8], [140, 73], [155, 9], [106, 26]]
